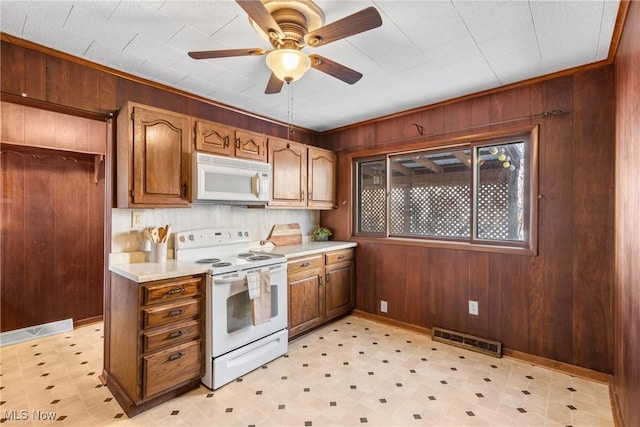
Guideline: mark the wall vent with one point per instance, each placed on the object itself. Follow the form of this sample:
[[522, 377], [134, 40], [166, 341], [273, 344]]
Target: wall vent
[[459, 339]]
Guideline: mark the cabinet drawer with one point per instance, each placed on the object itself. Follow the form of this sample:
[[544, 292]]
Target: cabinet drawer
[[170, 336], [169, 368], [174, 289], [166, 313], [302, 264], [339, 256]]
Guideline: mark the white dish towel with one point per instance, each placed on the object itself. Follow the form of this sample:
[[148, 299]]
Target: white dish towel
[[253, 283]]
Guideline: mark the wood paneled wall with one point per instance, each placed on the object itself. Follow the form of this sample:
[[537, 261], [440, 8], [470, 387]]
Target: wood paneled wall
[[556, 305], [626, 367], [52, 237]]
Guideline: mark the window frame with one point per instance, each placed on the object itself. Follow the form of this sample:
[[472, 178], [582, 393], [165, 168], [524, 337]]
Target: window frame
[[528, 246]]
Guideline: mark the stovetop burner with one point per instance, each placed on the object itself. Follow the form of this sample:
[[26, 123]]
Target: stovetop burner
[[208, 261], [245, 255], [221, 264], [222, 250]]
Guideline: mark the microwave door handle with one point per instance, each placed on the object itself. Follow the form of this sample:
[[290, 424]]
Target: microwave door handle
[[256, 185]]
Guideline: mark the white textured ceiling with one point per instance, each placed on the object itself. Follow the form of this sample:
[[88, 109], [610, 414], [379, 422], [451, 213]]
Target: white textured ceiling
[[424, 52]]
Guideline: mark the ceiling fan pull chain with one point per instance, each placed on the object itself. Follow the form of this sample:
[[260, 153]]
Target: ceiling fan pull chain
[[289, 110]]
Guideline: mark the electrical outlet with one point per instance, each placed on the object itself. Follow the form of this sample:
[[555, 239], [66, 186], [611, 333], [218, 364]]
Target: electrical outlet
[[473, 307], [383, 306], [137, 219]]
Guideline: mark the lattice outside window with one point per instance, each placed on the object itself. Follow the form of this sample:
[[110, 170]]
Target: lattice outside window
[[477, 192]]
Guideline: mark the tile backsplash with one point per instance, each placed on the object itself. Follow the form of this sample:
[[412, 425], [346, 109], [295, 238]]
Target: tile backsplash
[[258, 221]]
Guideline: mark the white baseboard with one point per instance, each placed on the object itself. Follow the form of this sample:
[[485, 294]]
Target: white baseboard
[[33, 332]]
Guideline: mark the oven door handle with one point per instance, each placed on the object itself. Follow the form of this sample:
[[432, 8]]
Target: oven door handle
[[230, 280], [242, 274]]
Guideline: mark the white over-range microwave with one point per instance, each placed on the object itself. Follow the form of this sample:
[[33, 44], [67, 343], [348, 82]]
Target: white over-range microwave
[[230, 180]]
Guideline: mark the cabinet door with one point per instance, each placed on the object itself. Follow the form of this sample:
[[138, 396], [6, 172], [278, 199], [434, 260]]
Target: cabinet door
[[305, 301], [338, 289], [213, 138], [288, 172], [251, 145], [160, 158], [321, 180]]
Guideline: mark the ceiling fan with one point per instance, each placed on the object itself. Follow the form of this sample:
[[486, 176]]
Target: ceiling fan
[[291, 25]]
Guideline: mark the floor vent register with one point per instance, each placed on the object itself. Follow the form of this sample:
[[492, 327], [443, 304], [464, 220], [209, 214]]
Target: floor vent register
[[470, 342]]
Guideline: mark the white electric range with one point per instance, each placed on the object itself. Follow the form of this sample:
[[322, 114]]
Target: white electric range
[[238, 336]]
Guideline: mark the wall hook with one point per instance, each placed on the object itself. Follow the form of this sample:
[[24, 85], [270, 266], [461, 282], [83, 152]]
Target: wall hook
[[419, 128]]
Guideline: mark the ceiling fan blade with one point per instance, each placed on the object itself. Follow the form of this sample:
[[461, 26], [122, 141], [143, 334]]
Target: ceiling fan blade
[[334, 69], [261, 16], [359, 22], [225, 53], [274, 85]]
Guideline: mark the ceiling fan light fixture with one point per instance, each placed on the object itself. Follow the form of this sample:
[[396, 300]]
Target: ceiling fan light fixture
[[288, 64]]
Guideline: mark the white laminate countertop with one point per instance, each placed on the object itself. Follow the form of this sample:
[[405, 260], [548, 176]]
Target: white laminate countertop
[[306, 248], [149, 271]]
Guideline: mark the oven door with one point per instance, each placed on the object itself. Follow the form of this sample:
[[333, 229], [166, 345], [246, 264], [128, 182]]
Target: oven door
[[231, 325]]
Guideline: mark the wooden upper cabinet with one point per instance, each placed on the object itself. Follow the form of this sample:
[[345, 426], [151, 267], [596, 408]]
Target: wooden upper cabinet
[[218, 138], [288, 161], [250, 145], [302, 176], [153, 157], [214, 137], [321, 181]]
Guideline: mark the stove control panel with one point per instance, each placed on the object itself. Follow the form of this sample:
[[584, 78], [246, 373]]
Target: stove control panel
[[207, 237]]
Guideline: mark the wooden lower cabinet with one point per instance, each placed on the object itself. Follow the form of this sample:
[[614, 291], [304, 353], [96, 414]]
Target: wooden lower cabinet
[[339, 284], [321, 288], [155, 338], [306, 296]]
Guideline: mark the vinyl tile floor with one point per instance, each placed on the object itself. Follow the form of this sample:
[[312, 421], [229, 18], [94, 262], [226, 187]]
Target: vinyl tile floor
[[353, 372]]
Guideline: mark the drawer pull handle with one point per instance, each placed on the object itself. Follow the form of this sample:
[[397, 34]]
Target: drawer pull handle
[[176, 334], [305, 264], [340, 256], [177, 312], [176, 356], [175, 291]]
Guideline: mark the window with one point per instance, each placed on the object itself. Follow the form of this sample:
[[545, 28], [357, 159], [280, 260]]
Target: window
[[480, 192]]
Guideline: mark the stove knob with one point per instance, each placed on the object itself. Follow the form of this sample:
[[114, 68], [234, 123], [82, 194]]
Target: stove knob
[[239, 233], [191, 237], [182, 239], [246, 234]]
